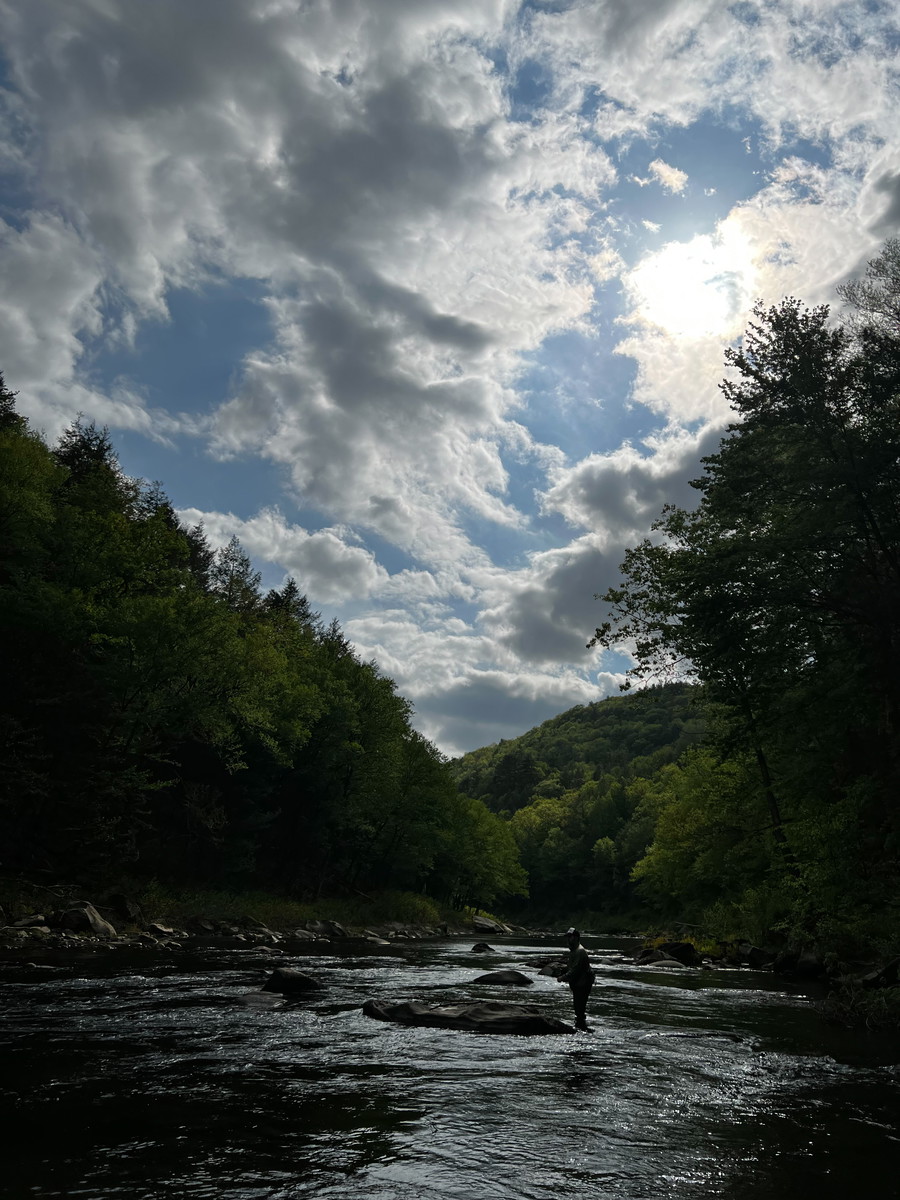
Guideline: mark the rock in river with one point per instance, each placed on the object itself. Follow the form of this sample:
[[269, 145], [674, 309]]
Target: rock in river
[[289, 982], [489, 1016], [514, 977]]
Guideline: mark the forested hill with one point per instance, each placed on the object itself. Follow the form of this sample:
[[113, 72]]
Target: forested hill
[[162, 718], [574, 792], [633, 733]]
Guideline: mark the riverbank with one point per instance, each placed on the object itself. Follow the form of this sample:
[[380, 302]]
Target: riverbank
[[63, 916]]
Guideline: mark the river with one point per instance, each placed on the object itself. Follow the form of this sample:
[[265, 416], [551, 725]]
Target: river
[[140, 1075]]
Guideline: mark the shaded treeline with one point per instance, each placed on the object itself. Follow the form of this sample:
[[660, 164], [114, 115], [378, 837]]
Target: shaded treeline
[[780, 593], [160, 717]]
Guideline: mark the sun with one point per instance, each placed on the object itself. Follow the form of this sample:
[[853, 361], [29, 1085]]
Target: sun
[[694, 289]]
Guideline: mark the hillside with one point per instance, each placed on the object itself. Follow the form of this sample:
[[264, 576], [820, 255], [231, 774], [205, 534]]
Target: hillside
[[162, 719], [574, 792], [631, 734]]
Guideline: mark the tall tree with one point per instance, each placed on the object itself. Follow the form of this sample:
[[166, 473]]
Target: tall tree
[[233, 578], [781, 590]]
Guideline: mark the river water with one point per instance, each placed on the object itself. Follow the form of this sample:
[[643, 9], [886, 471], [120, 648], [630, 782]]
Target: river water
[[142, 1075]]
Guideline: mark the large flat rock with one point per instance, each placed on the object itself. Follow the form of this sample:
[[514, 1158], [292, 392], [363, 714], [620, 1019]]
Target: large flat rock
[[488, 1016]]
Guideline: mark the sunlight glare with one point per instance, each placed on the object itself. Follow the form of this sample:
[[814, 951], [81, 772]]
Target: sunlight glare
[[694, 289]]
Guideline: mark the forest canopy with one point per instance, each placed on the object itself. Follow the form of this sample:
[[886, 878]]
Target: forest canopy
[[163, 718]]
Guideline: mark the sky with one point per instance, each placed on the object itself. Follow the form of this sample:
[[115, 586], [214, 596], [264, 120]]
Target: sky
[[426, 300]]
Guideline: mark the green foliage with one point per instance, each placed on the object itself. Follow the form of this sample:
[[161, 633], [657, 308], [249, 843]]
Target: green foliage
[[159, 716], [175, 905], [780, 592], [857, 1008], [584, 743], [568, 790]]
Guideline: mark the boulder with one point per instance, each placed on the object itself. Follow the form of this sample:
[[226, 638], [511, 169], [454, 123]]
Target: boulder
[[489, 925], [486, 1017], [303, 935], [82, 917], [289, 982], [886, 976], [260, 934], [512, 977], [804, 964], [124, 910], [329, 929], [683, 952], [644, 957], [758, 959], [160, 931], [201, 926], [554, 967], [483, 948], [655, 958], [32, 922]]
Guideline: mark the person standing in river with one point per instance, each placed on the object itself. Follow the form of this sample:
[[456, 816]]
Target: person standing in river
[[579, 977]]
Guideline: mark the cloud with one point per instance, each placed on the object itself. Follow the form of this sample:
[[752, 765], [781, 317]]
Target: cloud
[[545, 613], [425, 240], [326, 566], [619, 494], [813, 70], [670, 178], [491, 706], [463, 696]]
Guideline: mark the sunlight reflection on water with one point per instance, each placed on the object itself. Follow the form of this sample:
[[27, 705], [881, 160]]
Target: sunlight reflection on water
[[150, 1079]]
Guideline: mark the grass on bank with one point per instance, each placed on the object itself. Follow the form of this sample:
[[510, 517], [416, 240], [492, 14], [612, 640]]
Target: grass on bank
[[173, 906]]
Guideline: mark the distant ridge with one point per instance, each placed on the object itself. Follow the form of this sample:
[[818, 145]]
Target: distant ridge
[[634, 734]]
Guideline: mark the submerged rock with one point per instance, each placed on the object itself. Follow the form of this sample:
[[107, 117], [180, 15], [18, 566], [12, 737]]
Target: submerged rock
[[488, 1016], [514, 977], [265, 1000], [289, 982], [658, 958]]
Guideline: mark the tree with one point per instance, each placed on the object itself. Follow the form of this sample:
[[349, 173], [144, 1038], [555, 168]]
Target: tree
[[781, 590], [233, 578], [289, 602]]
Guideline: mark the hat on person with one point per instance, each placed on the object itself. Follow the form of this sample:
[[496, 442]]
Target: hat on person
[[572, 932]]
